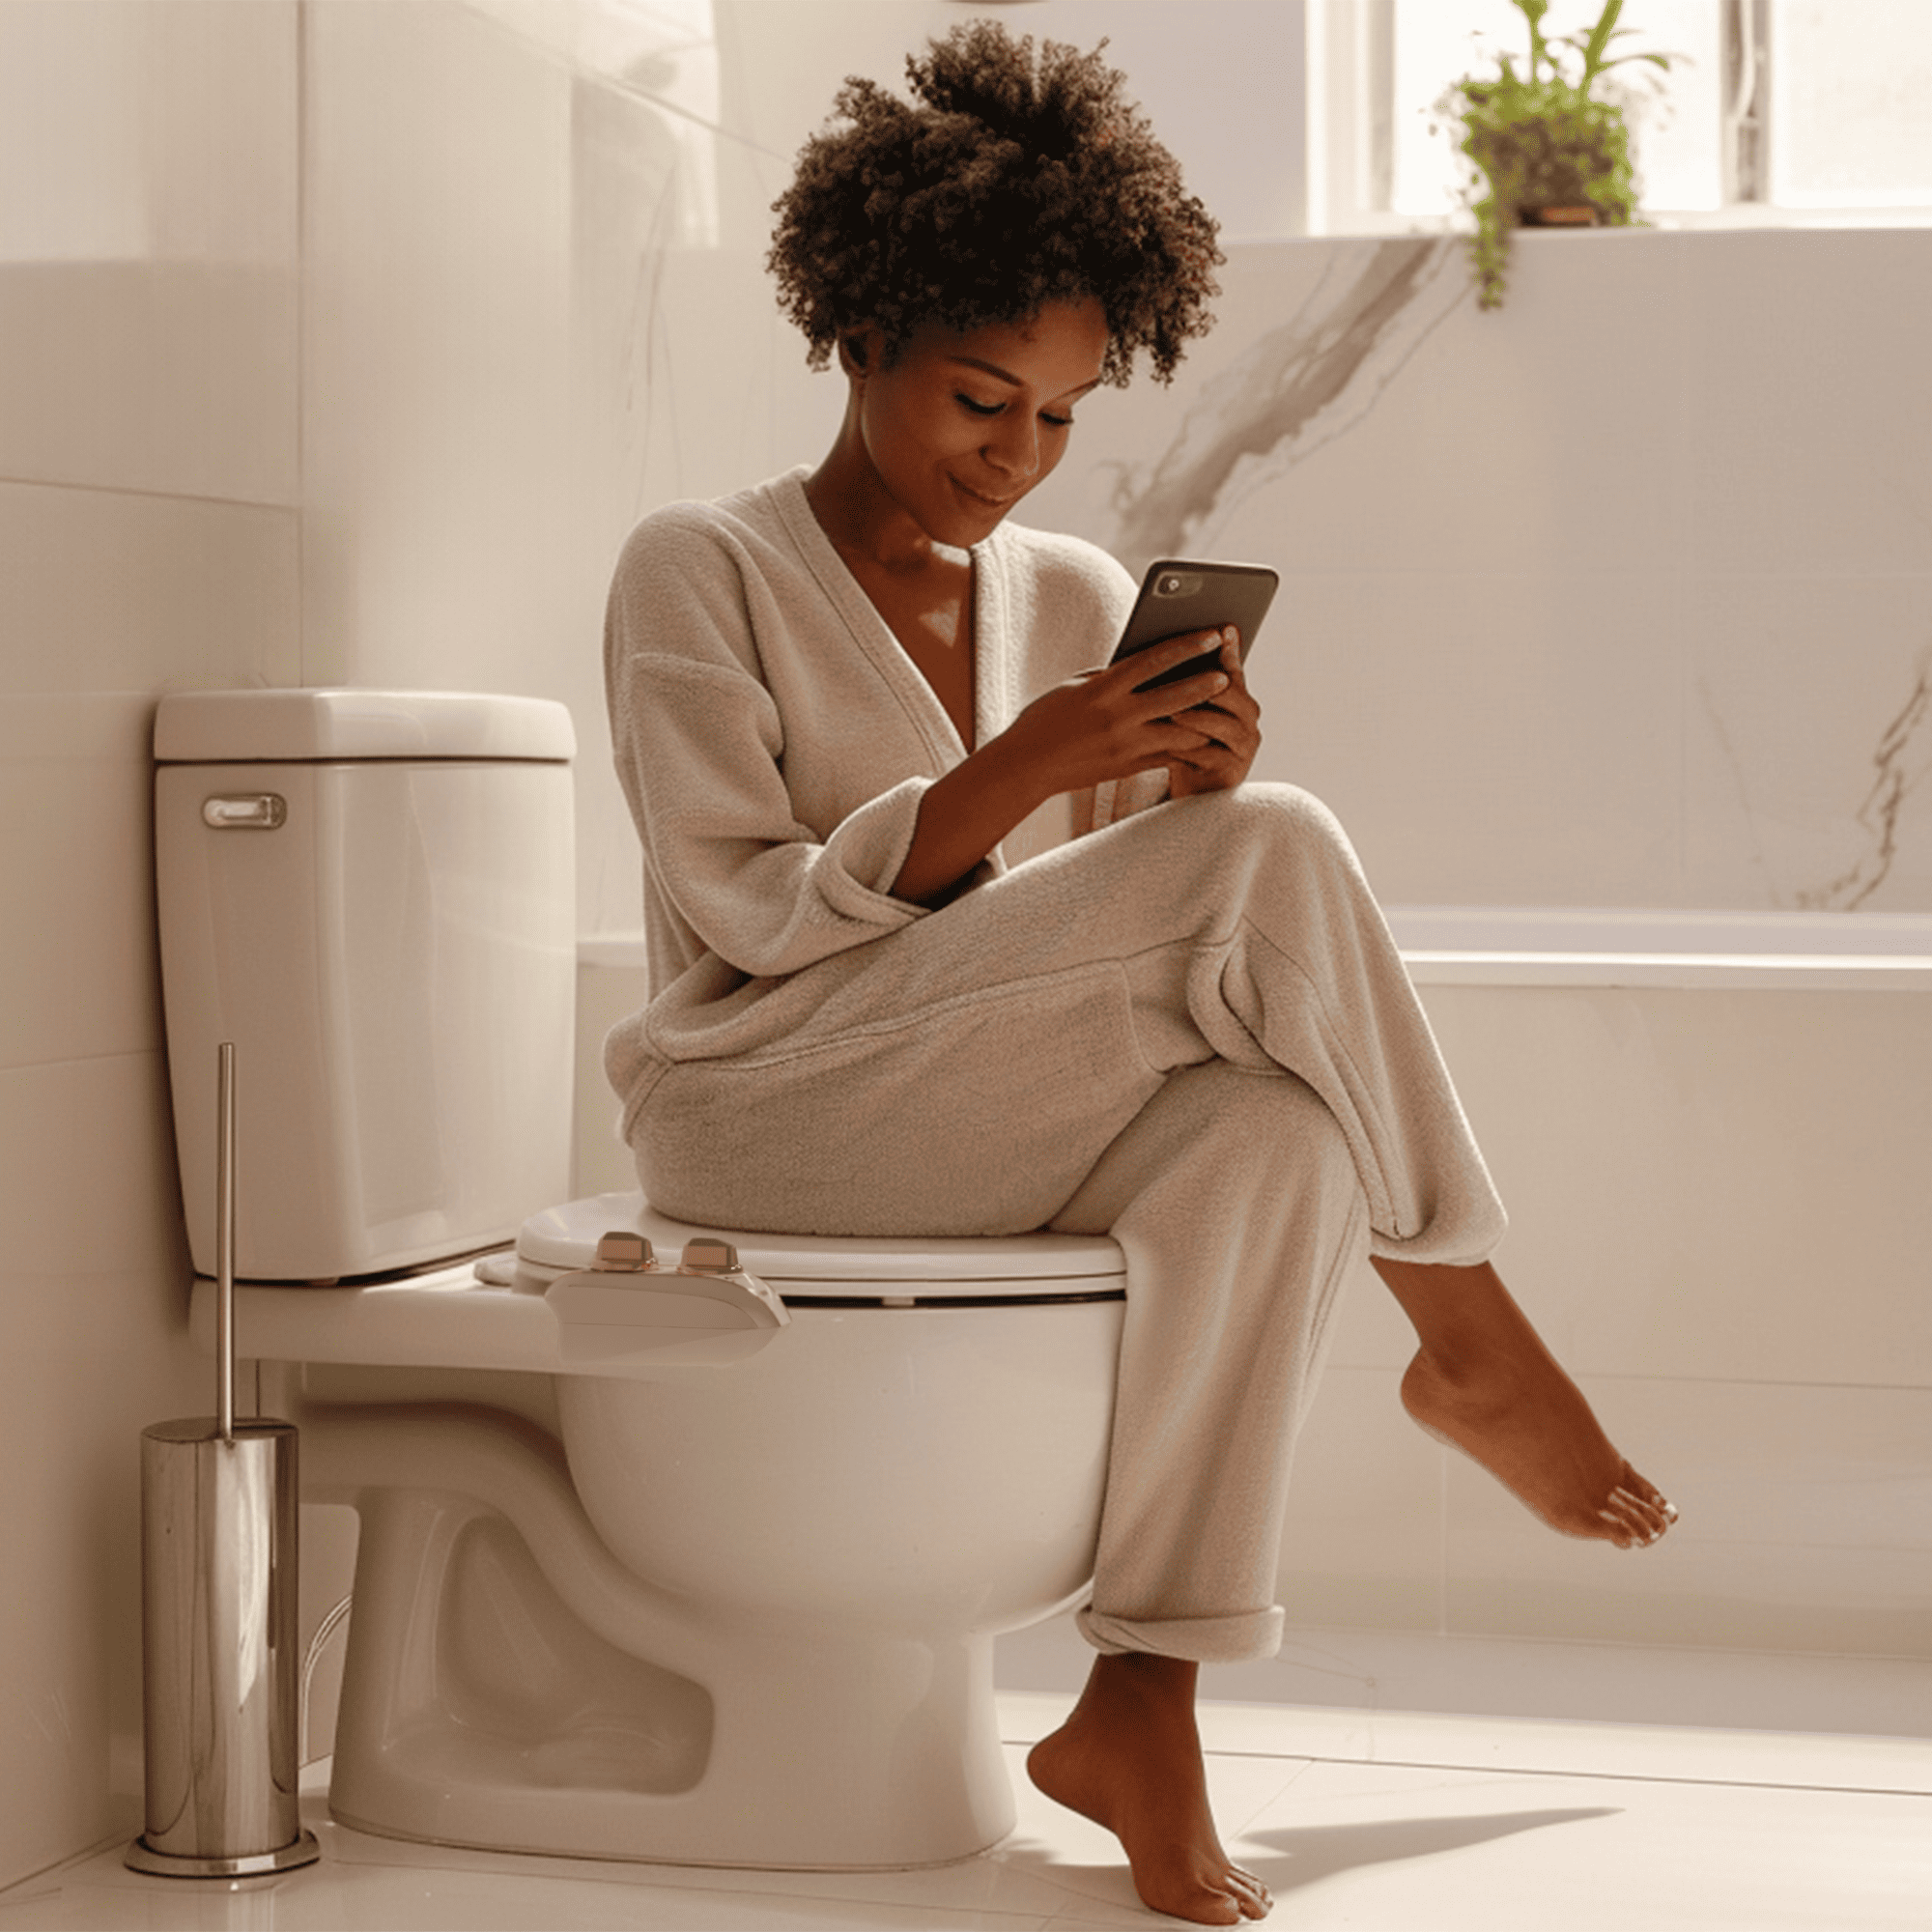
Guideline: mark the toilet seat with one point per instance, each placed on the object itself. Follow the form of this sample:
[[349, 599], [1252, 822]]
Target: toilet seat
[[491, 1313], [843, 1270]]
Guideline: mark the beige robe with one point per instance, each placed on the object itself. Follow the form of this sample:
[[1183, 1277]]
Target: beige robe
[[1187, 1025]]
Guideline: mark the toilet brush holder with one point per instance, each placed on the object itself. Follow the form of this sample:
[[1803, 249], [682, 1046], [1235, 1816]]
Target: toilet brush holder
[[218, 1553]]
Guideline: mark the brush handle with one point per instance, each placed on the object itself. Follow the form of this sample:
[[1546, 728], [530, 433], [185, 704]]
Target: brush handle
[[224, 1238]]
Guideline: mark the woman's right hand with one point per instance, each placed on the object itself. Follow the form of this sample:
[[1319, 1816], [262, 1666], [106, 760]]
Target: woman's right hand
[[1094, 728], [1098, 725]]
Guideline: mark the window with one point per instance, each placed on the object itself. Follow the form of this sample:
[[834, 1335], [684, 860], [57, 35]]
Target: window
[[1798, 106]]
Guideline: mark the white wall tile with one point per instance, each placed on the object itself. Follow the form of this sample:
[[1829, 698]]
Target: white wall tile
[[454, 536], [148, 131], [177, 377], [147, 283], [76, 893], [1707, 1184], [108, 597], [1362, 1538], [436, 352], [600, 1162], [1804, 1527], [96, 1318], [102, 591]]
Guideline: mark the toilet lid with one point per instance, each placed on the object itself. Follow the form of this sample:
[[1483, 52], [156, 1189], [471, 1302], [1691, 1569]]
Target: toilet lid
[[1001, 1267]]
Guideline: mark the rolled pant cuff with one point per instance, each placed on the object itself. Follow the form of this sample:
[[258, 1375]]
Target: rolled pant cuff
[[1237, 1639]]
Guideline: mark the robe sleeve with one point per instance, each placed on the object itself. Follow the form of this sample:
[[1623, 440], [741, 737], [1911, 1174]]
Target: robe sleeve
[[700, 744]]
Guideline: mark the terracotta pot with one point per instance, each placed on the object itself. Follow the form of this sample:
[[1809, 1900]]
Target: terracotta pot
[[1582, 215]]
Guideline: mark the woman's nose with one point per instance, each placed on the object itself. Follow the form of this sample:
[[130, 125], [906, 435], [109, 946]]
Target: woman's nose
[[1013, 446]]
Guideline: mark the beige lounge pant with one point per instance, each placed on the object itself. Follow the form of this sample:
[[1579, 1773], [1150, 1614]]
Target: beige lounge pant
[[1190, 1029]]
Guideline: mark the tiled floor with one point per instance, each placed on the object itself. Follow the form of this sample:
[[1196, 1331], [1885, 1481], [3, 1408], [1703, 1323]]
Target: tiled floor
[[1379, 1822]]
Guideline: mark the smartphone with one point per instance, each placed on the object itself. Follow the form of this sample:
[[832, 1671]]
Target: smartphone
[[1190, 594]]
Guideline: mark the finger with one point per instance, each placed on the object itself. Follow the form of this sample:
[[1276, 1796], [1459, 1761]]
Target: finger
[[1165, 655], [1227, 722], [1186, 694]]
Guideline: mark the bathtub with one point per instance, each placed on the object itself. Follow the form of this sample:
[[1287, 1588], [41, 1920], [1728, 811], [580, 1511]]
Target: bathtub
[[1580, 945], [1713, 1132]]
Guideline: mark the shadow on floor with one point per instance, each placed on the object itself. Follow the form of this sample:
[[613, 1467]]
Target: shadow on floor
[[1312, 1853]]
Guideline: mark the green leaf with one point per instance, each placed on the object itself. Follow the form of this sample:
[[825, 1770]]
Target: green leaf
[[1600, 39]]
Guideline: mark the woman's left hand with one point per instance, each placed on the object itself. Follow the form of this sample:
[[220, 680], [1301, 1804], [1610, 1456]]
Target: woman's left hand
[[1230, 729]]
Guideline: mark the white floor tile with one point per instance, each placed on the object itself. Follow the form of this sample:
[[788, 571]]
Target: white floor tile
[[1388, 1846], [1376, 1821]]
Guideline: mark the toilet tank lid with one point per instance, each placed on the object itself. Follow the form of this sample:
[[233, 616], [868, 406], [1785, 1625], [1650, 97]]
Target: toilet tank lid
[[566, 1236], [235, 728]]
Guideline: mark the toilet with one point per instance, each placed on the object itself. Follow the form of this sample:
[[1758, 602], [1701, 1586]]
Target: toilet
[[676, 1544]]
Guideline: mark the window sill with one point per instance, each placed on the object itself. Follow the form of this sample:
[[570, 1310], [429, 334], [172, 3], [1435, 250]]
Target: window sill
[[1751, 216]]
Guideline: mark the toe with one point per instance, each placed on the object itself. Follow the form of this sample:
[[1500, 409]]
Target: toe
[[1637, 1510], [1252, 1895]]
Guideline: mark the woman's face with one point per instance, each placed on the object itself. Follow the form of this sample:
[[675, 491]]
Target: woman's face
[[966, 422]]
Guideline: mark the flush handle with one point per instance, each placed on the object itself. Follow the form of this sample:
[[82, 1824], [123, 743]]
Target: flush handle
[[253, 811]]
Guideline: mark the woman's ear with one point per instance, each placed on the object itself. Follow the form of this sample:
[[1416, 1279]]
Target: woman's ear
[[861, 351]]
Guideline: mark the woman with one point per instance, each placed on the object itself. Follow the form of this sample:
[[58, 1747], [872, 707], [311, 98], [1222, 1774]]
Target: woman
[[834, 695]]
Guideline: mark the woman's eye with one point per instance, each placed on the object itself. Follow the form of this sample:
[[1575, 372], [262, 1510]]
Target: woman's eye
[[980, 408]]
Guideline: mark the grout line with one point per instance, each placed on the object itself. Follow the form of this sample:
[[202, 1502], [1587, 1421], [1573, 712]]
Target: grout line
[[139, 494], [1616, 1777]]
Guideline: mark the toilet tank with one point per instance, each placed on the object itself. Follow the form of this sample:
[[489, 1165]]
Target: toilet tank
[[371, 894]]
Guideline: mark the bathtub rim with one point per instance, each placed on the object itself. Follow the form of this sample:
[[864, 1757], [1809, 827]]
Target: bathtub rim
[[1640, 946], [1608, 946]]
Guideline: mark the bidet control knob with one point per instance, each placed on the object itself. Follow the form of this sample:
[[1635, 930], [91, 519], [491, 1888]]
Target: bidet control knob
[[621, 1252], [706, 1254]]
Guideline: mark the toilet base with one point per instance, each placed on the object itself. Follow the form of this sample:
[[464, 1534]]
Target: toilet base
[[478, 1709]]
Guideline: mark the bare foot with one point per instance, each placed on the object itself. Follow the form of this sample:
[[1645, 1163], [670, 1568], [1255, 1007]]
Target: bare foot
[[1484, 1382], [1129, 1758]]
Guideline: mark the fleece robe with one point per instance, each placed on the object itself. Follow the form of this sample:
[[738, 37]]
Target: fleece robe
[[1186, 1025]]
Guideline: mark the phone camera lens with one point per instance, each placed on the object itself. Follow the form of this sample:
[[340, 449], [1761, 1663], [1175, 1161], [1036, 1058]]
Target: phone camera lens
[[1169, 585]]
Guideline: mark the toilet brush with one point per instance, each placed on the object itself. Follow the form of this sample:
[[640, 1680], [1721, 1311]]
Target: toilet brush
[[218, 1502]]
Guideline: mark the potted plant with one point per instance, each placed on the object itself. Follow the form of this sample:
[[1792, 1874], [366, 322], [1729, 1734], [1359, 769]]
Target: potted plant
[[1550, 152]]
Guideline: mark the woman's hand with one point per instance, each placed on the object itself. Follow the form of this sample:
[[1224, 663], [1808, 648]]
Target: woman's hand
[[1094, 728], [1098, 725], [1230, 727]]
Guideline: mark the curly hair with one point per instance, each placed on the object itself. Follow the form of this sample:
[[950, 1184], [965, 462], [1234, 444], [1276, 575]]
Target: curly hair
[[1012, 184]]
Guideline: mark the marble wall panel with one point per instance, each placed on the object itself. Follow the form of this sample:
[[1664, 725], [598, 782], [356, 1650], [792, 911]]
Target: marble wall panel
[[1666, 430], [1489, 739], [1808, 740], [1808, 442]]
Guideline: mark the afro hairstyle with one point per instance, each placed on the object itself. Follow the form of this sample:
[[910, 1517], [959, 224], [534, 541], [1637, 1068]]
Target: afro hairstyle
[[1013, 182]]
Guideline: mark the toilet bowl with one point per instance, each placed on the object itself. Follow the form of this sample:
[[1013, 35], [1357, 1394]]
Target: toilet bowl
[[677, 1560], [738, 1609]]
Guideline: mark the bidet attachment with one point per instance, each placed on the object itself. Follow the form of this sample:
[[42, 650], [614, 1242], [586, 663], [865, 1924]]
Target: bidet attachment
[[627, 1302]]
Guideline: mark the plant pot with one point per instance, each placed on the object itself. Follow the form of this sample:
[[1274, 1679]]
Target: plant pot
[[1580, 215]]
